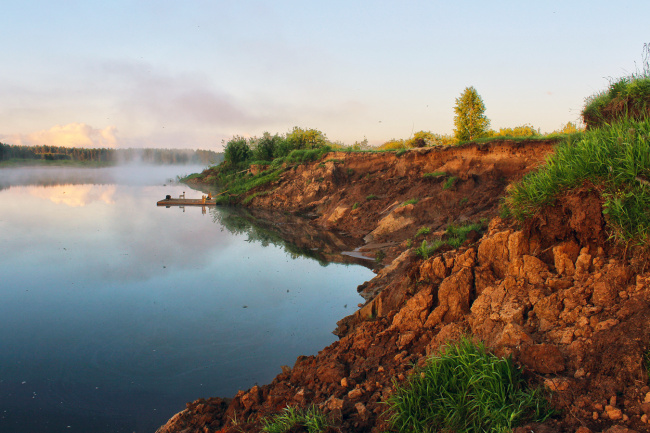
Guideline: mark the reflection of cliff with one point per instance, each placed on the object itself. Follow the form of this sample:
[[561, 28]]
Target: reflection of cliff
[[296, 235]]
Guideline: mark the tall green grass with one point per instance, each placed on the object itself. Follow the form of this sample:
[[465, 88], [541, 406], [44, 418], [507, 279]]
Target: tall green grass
[[466, 389], [615, 158], [290, 419]]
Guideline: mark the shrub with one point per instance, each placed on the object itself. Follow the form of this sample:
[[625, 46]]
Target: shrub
[[466, 389], [423, 231], [237, 151]]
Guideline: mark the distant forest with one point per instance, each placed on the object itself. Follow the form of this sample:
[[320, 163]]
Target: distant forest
[[110, 156]]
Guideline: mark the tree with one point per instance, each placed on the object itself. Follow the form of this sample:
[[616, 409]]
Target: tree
[[470, 120], [237, 150]]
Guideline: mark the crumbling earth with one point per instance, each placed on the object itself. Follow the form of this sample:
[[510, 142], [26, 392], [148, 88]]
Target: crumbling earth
[[571, 309]]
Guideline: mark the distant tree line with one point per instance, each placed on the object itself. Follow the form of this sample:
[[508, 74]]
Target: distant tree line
[[147, 156]]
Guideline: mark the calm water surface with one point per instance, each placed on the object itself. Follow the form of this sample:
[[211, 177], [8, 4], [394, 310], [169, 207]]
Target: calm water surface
[[114, 312]]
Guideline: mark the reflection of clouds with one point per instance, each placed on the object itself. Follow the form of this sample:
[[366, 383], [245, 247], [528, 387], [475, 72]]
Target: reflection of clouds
[[75, 195]]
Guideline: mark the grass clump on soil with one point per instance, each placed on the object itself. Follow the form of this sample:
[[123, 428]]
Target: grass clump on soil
[[422, 231], [426, 250], [434, 175], [410, 201], [450, 182], [457, 234], [372, 197], [466, 389], [615, 158], [292, 418]]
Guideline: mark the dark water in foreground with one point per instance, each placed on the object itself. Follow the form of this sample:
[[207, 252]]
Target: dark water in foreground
[[114, 313]]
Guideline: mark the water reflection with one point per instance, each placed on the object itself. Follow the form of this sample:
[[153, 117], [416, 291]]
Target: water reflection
[[116, 312]]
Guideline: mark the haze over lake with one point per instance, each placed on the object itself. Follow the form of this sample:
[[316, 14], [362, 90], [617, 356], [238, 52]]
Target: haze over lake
[[115, 312]]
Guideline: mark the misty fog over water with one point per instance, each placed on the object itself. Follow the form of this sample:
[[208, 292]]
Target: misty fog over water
[[115, 312]]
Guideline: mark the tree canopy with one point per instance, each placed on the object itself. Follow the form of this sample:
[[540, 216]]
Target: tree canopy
[[470, 120]]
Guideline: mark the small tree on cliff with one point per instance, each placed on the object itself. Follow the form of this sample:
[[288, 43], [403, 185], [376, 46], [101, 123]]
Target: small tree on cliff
[[470, 120]]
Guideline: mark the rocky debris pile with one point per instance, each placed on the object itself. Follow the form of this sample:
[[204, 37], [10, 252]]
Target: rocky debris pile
[[573, 312]]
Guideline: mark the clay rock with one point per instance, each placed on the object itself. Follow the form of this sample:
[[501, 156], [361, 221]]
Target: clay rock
[[252, 397], [389, 224], [493, 253], [565, 256], [413, 315], [453, 298], [619, 429], [604, 294], [542, 358], [513, 335], [331, 372]]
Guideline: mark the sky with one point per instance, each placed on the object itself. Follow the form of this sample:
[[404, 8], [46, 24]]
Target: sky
[[193, 73]]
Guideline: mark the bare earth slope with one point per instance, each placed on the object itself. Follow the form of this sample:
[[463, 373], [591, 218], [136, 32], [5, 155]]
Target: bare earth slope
[[571, 309]]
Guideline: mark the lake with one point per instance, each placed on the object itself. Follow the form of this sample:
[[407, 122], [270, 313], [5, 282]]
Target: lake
[[115, 312]]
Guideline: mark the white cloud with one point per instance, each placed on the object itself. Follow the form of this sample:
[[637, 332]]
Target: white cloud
[[70, 135]]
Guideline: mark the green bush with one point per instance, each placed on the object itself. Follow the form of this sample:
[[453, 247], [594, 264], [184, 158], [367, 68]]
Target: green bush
[[457, 235], [466, 389]]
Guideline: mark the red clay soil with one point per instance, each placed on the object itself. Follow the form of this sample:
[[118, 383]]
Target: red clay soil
[[572, 310]]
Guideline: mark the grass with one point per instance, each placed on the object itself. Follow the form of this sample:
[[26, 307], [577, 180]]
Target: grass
[[292, 418], [466, 389], [372, 197], [410, 201], [422, 231], [625, 97], [457, 235], [426, 250], [450, 182], [238, 186], [615, 158], [355, 205], [434, 175]]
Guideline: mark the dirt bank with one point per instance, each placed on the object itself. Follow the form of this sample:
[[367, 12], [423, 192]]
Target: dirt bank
[[570, 308]]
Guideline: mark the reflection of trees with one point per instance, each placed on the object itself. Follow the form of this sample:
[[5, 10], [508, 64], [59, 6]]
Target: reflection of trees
[[294, 234]]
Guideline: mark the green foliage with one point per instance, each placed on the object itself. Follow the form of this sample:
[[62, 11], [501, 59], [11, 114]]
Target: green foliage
[[372, 197], [400, 152], [426, 250], [517, 131], [393, 144], [291, 418], [355, 206], [380, 255], [625, 97], [410, 201], [457, 235], [266, 147], [237, 151], [434, 175], [616, 158], [470, 120], [420, 139], [422, 231], [450, 182], [299, 139], [466, 389], [302, 156]]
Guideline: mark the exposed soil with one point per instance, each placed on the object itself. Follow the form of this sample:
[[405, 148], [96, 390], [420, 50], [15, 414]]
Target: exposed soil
[[571, 309]]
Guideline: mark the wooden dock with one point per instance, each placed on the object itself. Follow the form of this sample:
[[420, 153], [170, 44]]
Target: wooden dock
[[186, 202]]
